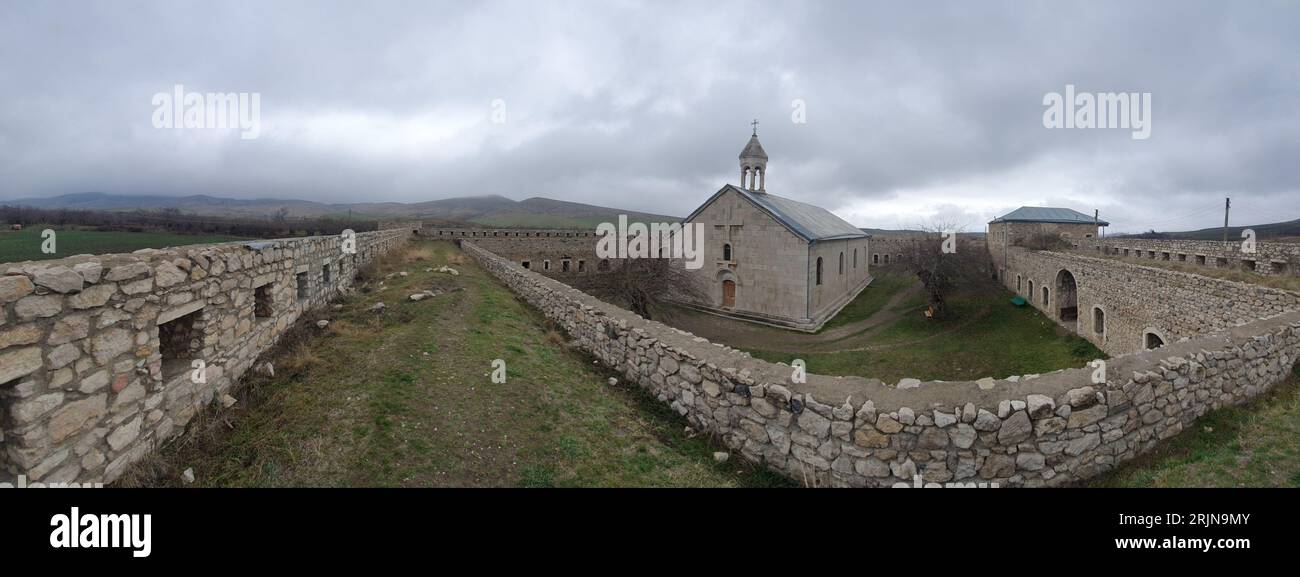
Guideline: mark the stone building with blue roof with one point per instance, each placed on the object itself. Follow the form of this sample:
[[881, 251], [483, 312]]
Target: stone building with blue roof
[[775, 260]]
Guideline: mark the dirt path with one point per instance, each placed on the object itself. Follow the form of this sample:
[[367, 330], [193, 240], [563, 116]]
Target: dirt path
[[751, 336], [858, 336]]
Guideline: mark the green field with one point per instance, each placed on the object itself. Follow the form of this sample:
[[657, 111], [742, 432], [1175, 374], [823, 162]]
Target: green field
[[982, 336], [404, 398], [26, 244]]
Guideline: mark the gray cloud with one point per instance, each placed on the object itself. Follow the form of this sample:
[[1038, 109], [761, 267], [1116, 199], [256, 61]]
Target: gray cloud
[[916, 111]]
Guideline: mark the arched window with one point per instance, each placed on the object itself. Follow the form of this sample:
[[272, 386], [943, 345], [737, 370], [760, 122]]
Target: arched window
[[819, 270], [1098, 321], [1019, 284], [546, 265], [841, 263], [726, 252], [1045, 300]]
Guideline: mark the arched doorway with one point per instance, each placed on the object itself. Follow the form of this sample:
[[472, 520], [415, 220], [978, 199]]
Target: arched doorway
[[1067, 297], [728, 293], [1153, 341]]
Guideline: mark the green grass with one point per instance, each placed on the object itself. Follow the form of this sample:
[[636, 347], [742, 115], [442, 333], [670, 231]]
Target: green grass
[[871, 299], [1253, 445], [362, 404], [983, 335], [26, 244]]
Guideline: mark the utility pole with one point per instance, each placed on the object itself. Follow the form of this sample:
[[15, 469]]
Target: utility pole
[[1227, 204]]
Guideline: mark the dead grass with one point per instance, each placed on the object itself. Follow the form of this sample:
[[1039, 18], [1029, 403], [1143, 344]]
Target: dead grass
[[1289, 282], [403, 398]]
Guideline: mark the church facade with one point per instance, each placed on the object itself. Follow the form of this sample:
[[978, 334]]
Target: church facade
[[774, 260]]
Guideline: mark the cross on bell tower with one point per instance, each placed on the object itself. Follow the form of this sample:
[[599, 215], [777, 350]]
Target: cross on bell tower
[[753, 163]]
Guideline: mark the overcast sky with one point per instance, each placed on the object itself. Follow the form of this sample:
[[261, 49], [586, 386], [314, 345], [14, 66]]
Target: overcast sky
[[915, 111]]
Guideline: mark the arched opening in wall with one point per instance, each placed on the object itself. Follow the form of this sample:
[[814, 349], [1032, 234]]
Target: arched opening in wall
[[1067, 297], [875, 258], [526, 264], [564, 265], [819, 270], [582, 266], [1098, 321], [726, 251], [728, 293], [1247, 265], [1152, 341], [1030, 292], [1019, 285], [886, 259], [1046, 300], [546, 265]]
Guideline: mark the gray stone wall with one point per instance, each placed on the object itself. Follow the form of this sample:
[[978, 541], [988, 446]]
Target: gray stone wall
[[1269, 258], [1030, 430], [1135, 300], [96, 351]]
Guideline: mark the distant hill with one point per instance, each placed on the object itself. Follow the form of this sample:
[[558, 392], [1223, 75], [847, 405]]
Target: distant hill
[[889, 232], [1273, 231], [482, 210]]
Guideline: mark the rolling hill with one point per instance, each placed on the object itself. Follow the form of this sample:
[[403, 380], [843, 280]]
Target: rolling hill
[[482, 210], [1272, 231]]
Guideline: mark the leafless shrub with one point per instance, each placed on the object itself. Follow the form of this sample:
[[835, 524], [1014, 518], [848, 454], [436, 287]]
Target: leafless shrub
[[941, 263], [645, 286]]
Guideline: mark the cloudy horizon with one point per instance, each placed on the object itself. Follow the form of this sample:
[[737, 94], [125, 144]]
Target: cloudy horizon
[[915, 113]]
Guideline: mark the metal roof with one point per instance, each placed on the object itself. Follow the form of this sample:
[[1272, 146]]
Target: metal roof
[[812, 223], [1048, 214]]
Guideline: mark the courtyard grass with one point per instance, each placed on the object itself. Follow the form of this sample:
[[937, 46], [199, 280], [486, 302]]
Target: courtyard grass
[[404, 398], [21, 245], [983, 336], [871, 300], [1253, 445]]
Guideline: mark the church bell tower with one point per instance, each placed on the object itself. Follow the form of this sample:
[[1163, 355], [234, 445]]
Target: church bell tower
[[753, 164]]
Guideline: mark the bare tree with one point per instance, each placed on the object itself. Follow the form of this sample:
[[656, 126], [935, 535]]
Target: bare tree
[[644, 286], [941, 261]]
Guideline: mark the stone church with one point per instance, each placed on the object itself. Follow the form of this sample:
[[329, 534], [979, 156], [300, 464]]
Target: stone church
[[774, 260]]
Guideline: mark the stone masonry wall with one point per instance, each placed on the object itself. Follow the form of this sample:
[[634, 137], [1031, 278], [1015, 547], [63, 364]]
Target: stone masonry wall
[[87, 382], [1136, 299], [1031, 430], [1269, 258]]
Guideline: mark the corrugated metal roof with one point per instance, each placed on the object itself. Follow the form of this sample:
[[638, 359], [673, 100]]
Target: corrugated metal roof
[[812, 223], [1048, 214]]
